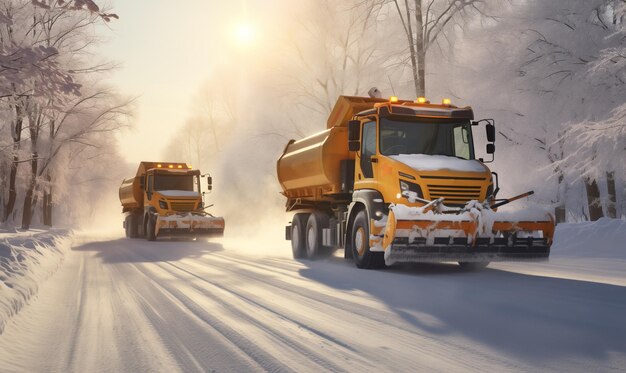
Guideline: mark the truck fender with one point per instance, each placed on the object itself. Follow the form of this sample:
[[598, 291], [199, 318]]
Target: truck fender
[[372, 201]]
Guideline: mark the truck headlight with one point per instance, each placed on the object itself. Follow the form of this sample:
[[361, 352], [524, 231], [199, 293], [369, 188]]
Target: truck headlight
[[163, 205], [410, 190]]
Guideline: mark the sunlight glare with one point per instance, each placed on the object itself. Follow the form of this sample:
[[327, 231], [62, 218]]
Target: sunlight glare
[[244, 33]]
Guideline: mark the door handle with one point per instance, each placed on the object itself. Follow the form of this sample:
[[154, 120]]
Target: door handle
[[374, 160]]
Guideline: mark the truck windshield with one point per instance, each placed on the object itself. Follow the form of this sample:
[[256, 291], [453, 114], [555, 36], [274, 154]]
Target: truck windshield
[[176, 182], [399, 136]]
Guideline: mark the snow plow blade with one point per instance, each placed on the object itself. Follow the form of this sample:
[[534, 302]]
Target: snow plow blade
[[190, 225], [474, 235]]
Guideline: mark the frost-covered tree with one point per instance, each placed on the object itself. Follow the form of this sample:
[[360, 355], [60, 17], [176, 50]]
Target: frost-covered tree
[[542, 67], [333, 50], [426, 24], [208, 129], [49, 99]]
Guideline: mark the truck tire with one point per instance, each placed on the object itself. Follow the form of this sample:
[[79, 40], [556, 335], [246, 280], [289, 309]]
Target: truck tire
[[473, 266], [132, 226], [126, 226], [298, 237], [313, 242], [150, 229], [359, 242]]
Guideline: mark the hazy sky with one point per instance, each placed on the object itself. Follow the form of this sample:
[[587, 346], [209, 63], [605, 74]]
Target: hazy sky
[[166, 52]]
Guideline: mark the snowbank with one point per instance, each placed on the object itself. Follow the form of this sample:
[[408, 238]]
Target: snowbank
[[26, 260], [605, 238]]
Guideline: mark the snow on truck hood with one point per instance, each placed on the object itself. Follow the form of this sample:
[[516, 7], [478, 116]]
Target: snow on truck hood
[[424, 162], [178, 193]]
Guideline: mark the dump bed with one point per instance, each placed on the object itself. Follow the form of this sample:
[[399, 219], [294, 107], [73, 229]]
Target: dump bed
[[311, 168], [348, 106], [131, 195]]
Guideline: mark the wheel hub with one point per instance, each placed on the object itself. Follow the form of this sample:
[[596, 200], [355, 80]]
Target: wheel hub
[[310, 240], [359, 240]]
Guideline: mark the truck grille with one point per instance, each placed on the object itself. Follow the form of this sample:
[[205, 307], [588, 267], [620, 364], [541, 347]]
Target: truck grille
[[183, 206], [454, 194]]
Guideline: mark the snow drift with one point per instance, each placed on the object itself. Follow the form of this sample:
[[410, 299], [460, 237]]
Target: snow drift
[[605, 238], [26, 260]]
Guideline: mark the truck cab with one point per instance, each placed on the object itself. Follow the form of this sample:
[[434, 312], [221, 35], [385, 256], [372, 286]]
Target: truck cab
[[415, 154]]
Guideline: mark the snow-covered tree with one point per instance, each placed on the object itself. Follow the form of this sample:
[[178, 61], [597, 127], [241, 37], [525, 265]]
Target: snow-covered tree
[[51, 103], [427, 24], [333, 50], [542, 67]]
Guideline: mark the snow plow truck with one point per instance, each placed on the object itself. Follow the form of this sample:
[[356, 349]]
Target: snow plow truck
[[397, 181], [164, 199]]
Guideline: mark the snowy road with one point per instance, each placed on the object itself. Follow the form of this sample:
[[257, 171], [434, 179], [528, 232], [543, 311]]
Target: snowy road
[[132, 305]]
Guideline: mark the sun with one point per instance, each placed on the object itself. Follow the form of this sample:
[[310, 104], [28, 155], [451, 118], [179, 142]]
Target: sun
[[244, 33]]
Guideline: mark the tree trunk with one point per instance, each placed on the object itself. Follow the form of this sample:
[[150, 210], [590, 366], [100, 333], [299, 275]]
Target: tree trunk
[[409, 34], [17, 137], [420, 49], [8, 208], [27, 210], [47, 202], [593, 200], [560, 214], [560, 211], [611, 207]]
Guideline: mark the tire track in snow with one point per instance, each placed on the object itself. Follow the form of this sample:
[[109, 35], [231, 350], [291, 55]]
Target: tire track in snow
[[371, 316], [299, 347], [264, 360], [80, 306]]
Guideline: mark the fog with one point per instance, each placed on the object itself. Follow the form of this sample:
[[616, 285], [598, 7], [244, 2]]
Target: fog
[[224, 86]]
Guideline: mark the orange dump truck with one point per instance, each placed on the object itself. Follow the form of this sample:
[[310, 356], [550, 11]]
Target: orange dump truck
[[398, 181], [164, 199]]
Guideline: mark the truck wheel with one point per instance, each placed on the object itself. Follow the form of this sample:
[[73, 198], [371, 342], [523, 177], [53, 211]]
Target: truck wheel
[[127, 227], [297, 235], [132, 226], [150, 229], [314, 225], [359, 242], [473, 266]]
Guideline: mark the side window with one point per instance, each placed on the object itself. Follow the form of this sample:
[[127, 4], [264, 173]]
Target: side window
[[368, 148], [150, 186], [461, 142]]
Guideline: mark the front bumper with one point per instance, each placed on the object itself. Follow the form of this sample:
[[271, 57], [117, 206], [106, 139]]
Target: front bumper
[[475, 234], [457, 249], [190, 225]]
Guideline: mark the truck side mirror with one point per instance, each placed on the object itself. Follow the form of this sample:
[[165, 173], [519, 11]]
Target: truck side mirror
[[491, 132], [209, 181], [491, 148], [354, 134]]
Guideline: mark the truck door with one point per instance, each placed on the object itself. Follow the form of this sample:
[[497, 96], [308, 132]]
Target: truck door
[[149, 189], [368, 149]]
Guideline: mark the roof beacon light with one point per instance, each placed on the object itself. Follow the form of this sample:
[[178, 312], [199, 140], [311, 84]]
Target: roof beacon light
[[189, 167], [446, 101], [421, 100], [180, 166], [170, 166], [393, 99], [159, 165]]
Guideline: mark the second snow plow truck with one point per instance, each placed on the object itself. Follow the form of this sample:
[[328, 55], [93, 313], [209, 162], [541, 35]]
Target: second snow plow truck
[[397, 181], [164, 200]]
